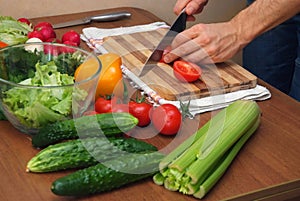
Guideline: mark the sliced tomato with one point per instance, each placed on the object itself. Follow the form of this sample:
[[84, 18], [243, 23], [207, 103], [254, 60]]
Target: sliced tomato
[[186, 71]]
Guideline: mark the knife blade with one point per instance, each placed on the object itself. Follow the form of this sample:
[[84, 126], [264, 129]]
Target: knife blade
[[106, 17], [178, 26]]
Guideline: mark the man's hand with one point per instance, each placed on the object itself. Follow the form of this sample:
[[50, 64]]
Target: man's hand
[[192, 7], [206, 43], [218, 42]]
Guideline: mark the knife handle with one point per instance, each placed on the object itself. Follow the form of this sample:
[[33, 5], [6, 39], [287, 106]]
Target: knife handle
[[107, 17]]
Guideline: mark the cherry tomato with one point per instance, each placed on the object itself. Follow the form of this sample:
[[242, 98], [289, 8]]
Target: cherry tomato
[[105, 104], [140, 110], [186, 71], [166, 119], [3, 44], [72, 36]]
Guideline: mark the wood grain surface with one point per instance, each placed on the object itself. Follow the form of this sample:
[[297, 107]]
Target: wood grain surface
[[270, 158], [216, 78]]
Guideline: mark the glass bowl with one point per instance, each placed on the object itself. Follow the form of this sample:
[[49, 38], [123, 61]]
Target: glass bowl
[[38, 84]]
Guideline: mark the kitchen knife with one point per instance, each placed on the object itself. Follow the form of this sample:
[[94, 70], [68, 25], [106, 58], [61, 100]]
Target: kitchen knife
[[106, 17], [178, 26]]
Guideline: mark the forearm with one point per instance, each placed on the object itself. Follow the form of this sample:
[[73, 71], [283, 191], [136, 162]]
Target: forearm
[[263, 15]]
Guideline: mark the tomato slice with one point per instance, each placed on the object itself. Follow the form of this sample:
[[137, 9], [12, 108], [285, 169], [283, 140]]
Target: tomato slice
[[186, 71]]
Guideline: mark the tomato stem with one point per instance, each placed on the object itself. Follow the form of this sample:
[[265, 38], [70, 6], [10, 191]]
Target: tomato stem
[[185, 111]]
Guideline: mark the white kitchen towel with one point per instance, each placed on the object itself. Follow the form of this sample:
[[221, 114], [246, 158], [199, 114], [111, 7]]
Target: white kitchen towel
[[94, 38]]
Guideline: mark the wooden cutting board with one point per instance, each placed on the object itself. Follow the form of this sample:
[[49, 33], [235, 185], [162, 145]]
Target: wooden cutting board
[[216, 79]]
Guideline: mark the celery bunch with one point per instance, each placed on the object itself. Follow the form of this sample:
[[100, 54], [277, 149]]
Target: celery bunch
[[196, 165]]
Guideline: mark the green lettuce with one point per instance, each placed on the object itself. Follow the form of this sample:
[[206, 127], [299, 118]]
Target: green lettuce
[[12, 31], [36, 107]]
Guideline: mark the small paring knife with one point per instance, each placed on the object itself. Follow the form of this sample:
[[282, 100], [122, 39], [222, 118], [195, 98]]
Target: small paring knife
[[106, 17]]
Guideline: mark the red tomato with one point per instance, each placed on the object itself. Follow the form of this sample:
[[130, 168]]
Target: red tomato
[[72, 36], [104, 105], [24, 20], [141, 111], [166, 119], [186, 71]]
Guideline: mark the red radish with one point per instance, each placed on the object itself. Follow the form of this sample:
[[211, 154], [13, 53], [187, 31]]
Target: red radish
[[35, 34], [40, 25], [67, 49], [53, 40], [47, 33], [51, 50], [72, 36], [24, 20]]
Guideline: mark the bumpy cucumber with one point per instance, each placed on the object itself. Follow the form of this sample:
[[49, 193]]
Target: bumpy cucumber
[[108, 124], [101, 177], [84, 152]]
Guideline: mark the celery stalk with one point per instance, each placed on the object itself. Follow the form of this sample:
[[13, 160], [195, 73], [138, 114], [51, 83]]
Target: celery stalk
[[234, 128], [158, 179], [216, 122], [213, 178], [214, 126], [182, 147], [192, 166]]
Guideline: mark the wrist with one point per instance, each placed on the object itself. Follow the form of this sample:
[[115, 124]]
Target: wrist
[[246, 30]]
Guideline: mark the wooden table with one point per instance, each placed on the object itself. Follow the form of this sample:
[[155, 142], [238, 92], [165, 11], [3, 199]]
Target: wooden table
[[269, 162]]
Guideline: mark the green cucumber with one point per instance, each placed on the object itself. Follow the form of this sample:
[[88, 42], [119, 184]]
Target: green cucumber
[[108, 124], [102, 178], [86, 152]]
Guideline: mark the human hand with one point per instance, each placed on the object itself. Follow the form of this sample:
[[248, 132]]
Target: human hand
[[205, 43], [192, 7]]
